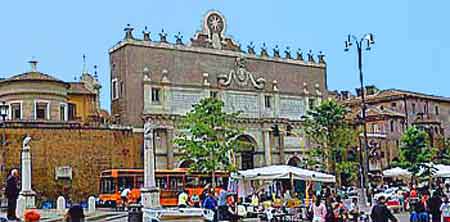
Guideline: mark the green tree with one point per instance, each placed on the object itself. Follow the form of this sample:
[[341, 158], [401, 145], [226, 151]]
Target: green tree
[[326, 125], [208, 137], [416, 155], [443, 154]]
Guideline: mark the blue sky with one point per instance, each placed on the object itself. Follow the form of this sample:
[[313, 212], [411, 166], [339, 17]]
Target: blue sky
[[411, 51]]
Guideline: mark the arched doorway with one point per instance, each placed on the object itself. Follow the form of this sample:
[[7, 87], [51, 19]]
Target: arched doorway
[[186, 164], [246, 152], [294, 161]]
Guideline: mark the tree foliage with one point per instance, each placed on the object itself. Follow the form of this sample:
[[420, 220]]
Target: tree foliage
[[208, 137], [327, 127], [416, 155]]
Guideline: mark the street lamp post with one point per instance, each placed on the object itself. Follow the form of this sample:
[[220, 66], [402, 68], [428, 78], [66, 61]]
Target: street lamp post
[[3, 113], [366, 40]]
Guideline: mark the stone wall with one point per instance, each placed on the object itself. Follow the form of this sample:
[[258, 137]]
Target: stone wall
[[86, 151]]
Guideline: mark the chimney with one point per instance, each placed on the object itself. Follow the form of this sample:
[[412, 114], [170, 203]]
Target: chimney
[[33, 65]]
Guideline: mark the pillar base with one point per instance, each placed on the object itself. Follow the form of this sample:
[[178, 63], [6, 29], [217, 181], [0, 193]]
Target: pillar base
[[150, 197], [30, 198]]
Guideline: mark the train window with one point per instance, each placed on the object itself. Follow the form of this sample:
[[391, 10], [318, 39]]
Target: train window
[[125, 182], [107, 186], [192, 182], [161, 182], [176, 183]]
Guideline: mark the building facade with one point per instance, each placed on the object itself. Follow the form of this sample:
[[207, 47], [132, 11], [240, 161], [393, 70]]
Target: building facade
[[158, 82], [390, 112], [38, 97]]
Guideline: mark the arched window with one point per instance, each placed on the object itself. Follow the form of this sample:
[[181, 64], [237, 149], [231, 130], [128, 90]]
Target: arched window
[[246, 151], [186, 163], [294, 161]]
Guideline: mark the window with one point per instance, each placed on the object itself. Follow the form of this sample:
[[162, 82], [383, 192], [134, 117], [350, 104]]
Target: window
[[392, 123], [72, 111], [436, 110], [16, 111], [413, 108], [121, 89], [425, 108], [311, 103], [41, 110], [247, 160], [63, 112], [155, 95], [114, 91], [267, 102], [382, 107], [213, 94], [393, 105]]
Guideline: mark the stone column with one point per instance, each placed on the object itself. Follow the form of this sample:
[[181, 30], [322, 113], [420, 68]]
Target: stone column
[[281, 146], [150, 193], [26, 191], [267, 148], [169, 145]]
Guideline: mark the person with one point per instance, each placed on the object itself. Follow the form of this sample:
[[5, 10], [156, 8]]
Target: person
[[205, 191], [380, 212], [124, 196], [354, 209], [329, 217], [445, 209], [339, 209], [222, 204], [434, 205], [74, 214], [319, 211], [210, 203], [254, 200], [183, 198], [12, 192], [195, 201]]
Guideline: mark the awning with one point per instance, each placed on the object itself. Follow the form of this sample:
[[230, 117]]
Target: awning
[[284, 172]]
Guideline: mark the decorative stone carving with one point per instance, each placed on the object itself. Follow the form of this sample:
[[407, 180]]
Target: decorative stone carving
[[205, 79], [163, 36], [287, 53], [311, 57], [146, 73], [264, 51], [128, 32], [165, 78], [305, 88], [215, 26], [275, 85], [213, 33], [146, 34], [241, 76], [179, 39], [317, 88], [321, 58], [251, 49], [300, 55], [276, 52], [26, 190]]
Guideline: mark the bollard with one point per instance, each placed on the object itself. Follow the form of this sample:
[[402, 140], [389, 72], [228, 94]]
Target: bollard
[[91, 204], [135, 213]]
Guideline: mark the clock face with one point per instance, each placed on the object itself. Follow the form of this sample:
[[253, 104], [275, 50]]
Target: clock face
[[215, 23]]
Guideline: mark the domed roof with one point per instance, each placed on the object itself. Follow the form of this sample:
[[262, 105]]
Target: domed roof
[[32, 76]]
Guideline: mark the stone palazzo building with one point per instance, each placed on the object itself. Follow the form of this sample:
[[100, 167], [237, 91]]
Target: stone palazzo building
[[159, 81], [390, 112]]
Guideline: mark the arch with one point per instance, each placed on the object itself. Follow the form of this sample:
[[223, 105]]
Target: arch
[[185, 164], [294, 161], [246, 150]]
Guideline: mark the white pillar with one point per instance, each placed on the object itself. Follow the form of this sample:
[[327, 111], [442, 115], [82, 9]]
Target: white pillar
[[26, 190], [267, 149], [61, 204], [91, 204], [150, 193]]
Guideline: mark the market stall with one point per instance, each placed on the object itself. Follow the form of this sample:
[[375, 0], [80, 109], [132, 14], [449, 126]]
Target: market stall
[[284, 172]]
